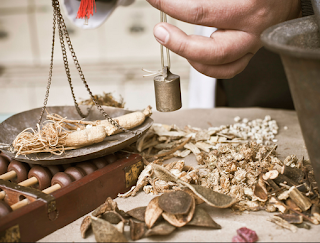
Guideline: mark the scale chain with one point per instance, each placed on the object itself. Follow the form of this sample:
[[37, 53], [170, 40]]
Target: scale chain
[[63, 32]]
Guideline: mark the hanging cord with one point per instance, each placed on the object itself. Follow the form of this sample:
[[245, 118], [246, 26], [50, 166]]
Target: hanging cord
[[163, 18]]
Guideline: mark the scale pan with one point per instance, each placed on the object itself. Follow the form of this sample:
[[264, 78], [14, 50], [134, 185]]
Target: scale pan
[[12, 126]]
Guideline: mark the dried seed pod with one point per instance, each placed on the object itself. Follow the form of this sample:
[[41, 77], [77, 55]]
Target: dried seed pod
[[108, 205], [85, 226], [112, 217], [137, 229], [180, 220], [202, 218], [106, 232], [291, 218], [153, 212], [138, 213], [302, 201], [163, 228], [175, 202]]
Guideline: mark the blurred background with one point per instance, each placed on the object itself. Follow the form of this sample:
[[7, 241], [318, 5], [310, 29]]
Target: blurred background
[[111, 57]]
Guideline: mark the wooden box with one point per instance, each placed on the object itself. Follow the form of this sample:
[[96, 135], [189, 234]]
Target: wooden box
[[38, 219]]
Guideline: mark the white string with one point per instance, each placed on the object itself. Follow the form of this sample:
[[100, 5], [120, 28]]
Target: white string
[[163, 18]]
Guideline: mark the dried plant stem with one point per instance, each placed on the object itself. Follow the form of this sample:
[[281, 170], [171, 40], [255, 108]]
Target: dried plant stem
[[314, 221], [274, 148]]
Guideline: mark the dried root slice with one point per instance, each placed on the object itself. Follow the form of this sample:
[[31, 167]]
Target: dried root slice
[[180, 220], [153, 212], [302, 201], [284, 224], [108, 205], [202, 219], [106, 232], [291, 218], [163, 228]]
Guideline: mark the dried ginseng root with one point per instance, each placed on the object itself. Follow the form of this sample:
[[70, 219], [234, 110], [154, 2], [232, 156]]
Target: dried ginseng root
[[59, 134]]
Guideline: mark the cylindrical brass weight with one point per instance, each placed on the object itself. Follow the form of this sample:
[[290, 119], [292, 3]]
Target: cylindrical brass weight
[[167, 92]]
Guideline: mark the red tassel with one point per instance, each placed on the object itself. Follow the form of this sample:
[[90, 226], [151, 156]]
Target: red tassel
[[86, 9]]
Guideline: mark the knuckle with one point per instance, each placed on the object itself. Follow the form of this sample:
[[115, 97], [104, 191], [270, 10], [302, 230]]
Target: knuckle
[[199, 13], [182, 48]]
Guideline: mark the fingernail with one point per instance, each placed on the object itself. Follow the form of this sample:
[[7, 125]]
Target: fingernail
[[161, 34]]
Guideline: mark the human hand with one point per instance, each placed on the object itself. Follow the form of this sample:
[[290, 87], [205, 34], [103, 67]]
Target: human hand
[[229, 49]]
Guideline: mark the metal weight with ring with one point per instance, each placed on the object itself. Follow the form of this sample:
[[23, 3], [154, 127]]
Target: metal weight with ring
[[167, 85]]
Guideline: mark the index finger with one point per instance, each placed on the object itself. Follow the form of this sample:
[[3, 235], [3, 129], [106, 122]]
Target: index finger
[[213, 13]]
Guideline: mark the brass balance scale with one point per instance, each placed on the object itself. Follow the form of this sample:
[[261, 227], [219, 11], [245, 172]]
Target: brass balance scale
[[167, 93]]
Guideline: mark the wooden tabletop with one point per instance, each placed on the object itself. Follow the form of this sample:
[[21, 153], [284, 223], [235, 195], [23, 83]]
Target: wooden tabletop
[[290, 141]]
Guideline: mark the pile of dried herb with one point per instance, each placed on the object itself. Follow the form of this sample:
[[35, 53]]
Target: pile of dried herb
[[161, 216], [106, 99], [235, 160]]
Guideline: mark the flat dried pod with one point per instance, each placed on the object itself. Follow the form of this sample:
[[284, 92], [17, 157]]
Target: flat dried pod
[[175, 202], [153, 212], [137, 229], [106, 232], [202, 218], [291, 218], [212, 198], [85, 226], [112, 217], [180, 220], [138, 213], [284, 224], [163, 228], [198, 200], [123, 214], [108, 205]]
